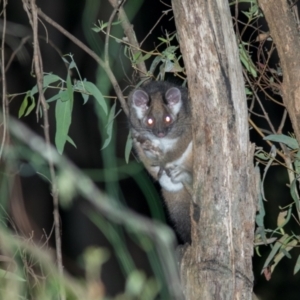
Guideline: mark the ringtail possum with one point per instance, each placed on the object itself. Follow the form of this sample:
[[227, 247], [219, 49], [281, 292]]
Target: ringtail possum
[[160, 120]]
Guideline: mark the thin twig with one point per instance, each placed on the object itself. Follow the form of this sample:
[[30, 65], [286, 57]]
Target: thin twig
[[38, 65], [262, 135], [157, 22], [130, 34], [23, 42], [283, 119], [4, 96], [91, 53], [106, 44], [259, 102]]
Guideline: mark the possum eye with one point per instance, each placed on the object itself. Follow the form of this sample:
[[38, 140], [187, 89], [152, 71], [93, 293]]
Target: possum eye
[[150, 121], [168, 119]]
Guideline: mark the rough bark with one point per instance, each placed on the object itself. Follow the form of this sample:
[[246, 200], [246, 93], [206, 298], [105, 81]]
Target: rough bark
[[218, 264], [283, 30]]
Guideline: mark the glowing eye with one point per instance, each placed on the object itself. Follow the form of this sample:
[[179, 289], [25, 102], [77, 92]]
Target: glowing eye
[[168, 119], [150, 121]]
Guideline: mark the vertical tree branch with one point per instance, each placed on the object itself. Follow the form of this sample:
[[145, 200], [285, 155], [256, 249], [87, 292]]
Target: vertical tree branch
[[218, 265], [283, 29], [31, 11], [130, 34], [3, 131]]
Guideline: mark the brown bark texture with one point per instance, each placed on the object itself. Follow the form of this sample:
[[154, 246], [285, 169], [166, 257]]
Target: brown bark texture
[[284, 32], [218, 264]]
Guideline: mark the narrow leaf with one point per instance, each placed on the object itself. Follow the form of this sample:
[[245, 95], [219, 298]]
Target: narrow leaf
[[63, 115], [128, 147], [91, 88], [47, 80], [23, 106], [281, 138], [109, 126], [4, 274], [297, 163], [69, 139], [297, 266], [31, 107], [284, 252], [275, 249], [294, 193]]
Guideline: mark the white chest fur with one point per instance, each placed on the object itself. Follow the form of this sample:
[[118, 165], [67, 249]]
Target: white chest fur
[[164, 144], [176, 173]]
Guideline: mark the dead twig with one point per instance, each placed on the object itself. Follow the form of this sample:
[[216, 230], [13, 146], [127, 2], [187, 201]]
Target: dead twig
[[31, 10]]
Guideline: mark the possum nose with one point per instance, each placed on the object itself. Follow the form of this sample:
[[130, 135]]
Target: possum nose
[[161, 134]]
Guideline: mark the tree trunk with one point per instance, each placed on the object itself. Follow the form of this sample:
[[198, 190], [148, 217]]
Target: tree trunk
[[285, 34], [218, 265]]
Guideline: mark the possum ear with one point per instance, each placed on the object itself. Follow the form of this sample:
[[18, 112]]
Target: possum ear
[[140, 98], [173, 97]]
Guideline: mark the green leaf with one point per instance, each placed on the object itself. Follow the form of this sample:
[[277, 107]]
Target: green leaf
[[70, 89], [284, 217], [136, 56], [275, 249], [109, 126], [297, 265], [47, 80], [247, 61], [297, 163], [79, 86], [69, 139], [294, 193], [72, 65], [23, 106], [144, 57], [163, 40], [128, 147], [55, 97], [4, 274], [288, 245], [31, 107], [91, 88], [155, 63], [63, 116], [135, 283], [281, 138]]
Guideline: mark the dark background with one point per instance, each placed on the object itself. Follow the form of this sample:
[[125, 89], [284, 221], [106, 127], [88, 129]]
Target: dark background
[[77, 230]]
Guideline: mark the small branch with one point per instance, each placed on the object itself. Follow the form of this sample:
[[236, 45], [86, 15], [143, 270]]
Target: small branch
[[106, 44], [159, 19], [259, 102], [262, 135], [130, 34], [91, 53], [4, 134], [38, 65]]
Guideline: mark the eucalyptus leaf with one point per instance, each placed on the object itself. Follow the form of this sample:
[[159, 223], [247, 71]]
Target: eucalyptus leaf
[[128, 147], [275, 249], [23, 106], [4, 274], [63, 116], [47, 80], [297, 265], [69, 139], [92, 89], [281, 138], [31, 106], [294, 194], [109, 126]]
